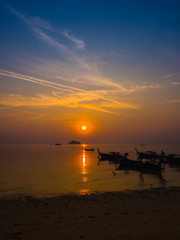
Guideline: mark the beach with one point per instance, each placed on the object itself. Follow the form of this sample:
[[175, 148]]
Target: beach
[[139, 214]]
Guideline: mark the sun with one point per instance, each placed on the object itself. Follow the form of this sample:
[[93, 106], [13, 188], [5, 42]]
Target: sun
[[83, 127]]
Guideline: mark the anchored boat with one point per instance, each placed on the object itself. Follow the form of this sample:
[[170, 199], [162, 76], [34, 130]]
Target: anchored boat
[[150, 155], [111, 156]]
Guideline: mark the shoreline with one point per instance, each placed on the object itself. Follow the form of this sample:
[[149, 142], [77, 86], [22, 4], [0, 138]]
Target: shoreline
[[135, 214], [21, 196]]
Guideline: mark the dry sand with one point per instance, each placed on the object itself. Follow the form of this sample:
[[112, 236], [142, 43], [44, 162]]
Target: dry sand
[[148, 214]]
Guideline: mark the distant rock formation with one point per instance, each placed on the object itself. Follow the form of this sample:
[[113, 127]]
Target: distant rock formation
[[74, 142]]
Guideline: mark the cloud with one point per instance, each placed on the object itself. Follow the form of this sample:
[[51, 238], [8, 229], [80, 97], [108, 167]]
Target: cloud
[[170, 75], [173, 101], [66, 96], [77, 69], [176, 83], [42, 23], [76, 100], [81, 71], [38, 25], [59, 86], [78, 42], [142, 87]]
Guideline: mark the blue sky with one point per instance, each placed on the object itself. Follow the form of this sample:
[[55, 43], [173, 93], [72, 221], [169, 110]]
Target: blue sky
[[144, 29], [94, 59]]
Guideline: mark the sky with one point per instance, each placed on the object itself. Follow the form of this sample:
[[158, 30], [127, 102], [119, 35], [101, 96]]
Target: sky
[[113, 66]]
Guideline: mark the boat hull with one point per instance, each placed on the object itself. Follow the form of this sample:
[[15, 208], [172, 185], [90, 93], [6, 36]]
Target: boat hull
[[139, 165]]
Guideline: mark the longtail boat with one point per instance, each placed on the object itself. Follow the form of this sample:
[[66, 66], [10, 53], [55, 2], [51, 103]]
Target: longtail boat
[[89, 149], [173, 159], [150, 155], [139, 165], [111, 156]]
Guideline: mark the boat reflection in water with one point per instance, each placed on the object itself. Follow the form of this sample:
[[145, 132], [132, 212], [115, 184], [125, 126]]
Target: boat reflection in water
[[156, 175]]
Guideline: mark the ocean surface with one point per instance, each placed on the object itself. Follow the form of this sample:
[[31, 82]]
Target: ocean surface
[[49, 170]]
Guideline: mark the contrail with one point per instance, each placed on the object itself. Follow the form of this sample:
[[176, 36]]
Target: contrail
[[59, 86]]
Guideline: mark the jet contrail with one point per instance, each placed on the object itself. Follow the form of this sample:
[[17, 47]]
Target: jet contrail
[[59, 86]]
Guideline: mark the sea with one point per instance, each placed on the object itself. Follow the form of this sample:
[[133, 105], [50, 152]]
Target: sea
[[48, 170]]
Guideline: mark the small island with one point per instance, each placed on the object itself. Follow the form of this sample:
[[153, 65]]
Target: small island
[[74, 142]]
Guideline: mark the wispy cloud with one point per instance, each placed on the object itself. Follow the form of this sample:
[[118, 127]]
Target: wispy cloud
[[76, 100], [169, 75], [82, 71], [176, 83], [42, 23], [147, 86], [173, 101], [78, 42], [37, 25], [37, 22], [84, 95]]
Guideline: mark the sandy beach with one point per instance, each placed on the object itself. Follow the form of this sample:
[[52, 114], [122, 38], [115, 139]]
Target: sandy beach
[[146, 214]]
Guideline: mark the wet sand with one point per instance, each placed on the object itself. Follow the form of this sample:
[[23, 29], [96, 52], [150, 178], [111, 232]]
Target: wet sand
[[147, 214]]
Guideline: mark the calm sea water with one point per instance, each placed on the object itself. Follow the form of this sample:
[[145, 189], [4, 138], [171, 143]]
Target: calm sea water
[[47, 170]]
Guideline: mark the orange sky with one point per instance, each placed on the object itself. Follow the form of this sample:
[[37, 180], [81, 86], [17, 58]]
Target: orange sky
[[59, 72]]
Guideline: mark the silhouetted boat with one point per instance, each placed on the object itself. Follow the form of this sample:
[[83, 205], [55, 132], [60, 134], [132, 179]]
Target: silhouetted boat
[[57, 144], [89, 149], [142, 172], [74, 142], [111, 156], [150, 155], [173, 159], [127, 164]]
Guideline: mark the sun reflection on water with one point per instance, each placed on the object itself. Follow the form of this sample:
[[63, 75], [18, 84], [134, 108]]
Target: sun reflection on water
[[84, 159], [84, 192], [84, 173], [84, 169]]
